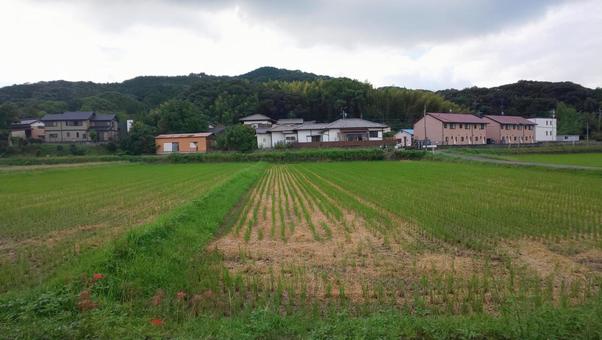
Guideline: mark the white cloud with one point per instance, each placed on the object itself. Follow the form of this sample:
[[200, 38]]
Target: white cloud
[[47, 40]]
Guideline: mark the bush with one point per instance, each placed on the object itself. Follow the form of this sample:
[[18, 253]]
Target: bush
[[237, 138]]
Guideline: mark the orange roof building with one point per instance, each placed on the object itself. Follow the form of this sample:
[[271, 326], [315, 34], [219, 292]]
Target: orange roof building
[[184, 143]]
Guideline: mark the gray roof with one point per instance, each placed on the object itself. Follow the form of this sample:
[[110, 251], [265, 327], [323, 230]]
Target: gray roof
[[290, 121], [28, 121], [354, 123], [104, 117], [68, 116], [255, 117], [287, 127]]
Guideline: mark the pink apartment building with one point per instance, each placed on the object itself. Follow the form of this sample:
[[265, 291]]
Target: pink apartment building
[[510, 130], [451, 129]]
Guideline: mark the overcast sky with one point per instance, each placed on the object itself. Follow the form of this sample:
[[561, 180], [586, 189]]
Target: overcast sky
[[431, 44]]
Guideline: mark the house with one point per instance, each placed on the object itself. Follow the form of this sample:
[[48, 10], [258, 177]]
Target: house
[[405, 137], [296, 130], [567, 138], [257, 121], [200, 142], [450, 129], [509, 130], [545, 130], [28, 128], [80, 127]]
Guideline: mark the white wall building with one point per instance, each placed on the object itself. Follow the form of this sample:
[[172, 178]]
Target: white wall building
[[545, 130], [257, 121], [405, 137], [288, 131]]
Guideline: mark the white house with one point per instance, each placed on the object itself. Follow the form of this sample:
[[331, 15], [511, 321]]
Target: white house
[[545, 130], [287, 131], [405, 137], [257, 121]]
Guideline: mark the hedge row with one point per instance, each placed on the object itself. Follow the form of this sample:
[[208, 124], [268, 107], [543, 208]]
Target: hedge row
[[308, 155]]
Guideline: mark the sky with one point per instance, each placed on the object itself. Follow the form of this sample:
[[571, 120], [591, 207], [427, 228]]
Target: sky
[[427, 44]]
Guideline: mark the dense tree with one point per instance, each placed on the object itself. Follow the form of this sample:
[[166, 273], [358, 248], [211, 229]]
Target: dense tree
[[237, 138], [140, 139], [177, 116], [569, 120]]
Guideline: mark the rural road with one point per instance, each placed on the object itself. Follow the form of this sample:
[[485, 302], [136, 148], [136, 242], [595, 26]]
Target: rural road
[[510, 162]]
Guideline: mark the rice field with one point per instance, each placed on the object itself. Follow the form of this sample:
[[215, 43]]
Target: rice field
[[51, 216], [581, 159], [259, 250], [448, 238]]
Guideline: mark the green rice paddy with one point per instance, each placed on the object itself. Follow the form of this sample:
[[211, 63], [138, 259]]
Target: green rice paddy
[[324, 250]]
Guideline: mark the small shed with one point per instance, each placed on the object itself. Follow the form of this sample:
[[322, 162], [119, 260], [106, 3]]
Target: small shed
[[405, 137], [184, 143]]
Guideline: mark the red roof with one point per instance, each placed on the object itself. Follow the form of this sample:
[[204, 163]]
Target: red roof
[[458, 118], [510, 120]]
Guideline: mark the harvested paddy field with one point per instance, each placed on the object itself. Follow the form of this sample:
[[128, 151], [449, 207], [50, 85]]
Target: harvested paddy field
[[307, 233]]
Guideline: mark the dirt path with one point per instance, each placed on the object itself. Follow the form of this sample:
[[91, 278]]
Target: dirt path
[[56, 166], [520, 163]]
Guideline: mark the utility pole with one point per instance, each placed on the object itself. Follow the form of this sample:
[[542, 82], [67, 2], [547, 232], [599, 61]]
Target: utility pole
[[587, 130], [424, 119]]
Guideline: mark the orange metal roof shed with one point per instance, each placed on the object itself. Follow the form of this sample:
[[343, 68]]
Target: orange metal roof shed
[[183, 143]]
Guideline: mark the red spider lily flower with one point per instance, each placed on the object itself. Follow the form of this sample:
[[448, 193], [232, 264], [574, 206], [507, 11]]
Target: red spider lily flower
[[97, 276], [180, 295], [157, 322]]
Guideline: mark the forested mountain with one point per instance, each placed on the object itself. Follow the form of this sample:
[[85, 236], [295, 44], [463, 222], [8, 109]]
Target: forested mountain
[[223, 100], [268, 73], [526, 98], [203, 99]]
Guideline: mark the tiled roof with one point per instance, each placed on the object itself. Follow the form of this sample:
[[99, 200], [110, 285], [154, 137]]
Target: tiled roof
[[68, 116], [100, 117], [290, 121], [255, 117], [458, 118], [354, 123], [510, 120], [184, 135]]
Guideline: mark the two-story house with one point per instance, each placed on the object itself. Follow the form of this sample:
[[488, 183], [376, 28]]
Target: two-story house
[[509, 130], [80, 127], [451, 129]]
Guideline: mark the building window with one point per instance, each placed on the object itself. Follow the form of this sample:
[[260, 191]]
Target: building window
[[460, 126], [68, 134], [467, 126], [482, 126], [50, 124], [373, 134], [74, 123], [462, 139], [515, 138], [452, 126], [445, 126], [77, 134], [84, 136], [53, 135], [446, 140]]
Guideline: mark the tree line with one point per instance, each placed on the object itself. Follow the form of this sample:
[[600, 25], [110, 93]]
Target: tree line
[[195, 102]]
